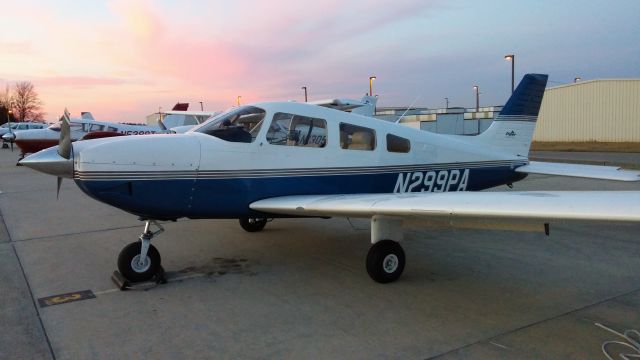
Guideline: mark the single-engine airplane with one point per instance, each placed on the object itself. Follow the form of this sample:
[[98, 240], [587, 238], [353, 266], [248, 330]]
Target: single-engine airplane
[[35, 140], [332, 163]]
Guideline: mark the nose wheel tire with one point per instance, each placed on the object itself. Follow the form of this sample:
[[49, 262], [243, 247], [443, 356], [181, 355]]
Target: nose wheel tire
[[135, 270], [253, 224], [385, 261]]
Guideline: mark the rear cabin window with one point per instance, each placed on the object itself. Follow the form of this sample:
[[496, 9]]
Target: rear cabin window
[[353, 137], [397, 144], [297, 130], [240, 124]]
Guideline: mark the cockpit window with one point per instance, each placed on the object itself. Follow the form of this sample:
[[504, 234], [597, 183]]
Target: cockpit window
[[240, 124], [297, 130]]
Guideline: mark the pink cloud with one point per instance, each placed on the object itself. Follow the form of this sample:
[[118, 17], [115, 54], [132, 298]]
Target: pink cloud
[[77, 81], [147, 54]]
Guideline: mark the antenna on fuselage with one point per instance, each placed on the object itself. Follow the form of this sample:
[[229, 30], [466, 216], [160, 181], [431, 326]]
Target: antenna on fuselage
[[410, 106]]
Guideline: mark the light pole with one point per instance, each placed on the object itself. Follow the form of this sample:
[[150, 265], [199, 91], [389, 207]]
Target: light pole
[[305, 93], [9, 112], [446, 103], [201, 106], [238, 100], [477, 89], [576, 79], [512, 58], [371, 78]]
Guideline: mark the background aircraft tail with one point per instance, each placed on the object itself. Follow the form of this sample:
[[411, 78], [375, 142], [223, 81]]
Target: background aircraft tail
[[369, 108], [512, 130], [180, 107]]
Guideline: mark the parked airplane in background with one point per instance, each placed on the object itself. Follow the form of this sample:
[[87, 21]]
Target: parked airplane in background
[[362, 167], [35, 140], [8, 128]]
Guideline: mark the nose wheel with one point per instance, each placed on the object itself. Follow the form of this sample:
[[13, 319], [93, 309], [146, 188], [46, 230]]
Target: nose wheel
[[136, 268], [140, 261]]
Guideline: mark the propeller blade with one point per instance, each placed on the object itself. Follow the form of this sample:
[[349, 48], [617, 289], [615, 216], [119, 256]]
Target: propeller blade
[[59, 184], [64, 146]]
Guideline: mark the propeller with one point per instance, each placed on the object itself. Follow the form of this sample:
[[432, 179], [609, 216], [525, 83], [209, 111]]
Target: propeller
[[64, 145]]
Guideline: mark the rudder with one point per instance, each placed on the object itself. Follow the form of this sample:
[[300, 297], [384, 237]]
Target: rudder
[[512, 130]]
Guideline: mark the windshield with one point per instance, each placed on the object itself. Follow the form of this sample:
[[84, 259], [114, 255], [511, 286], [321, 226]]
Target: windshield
[[235, 125]]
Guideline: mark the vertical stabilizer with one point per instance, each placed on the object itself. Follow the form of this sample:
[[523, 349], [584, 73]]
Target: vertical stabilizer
[[369, 108], [512, 130]]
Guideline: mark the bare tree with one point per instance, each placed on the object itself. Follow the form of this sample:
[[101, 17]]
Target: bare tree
[[5, 98], [5, 104], [26, 103]]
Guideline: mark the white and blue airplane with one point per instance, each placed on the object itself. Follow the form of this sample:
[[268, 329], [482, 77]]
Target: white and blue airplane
[[287, 159]]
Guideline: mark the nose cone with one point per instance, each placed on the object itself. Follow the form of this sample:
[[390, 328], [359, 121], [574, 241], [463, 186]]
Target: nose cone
[[9, 136], [50, 162]]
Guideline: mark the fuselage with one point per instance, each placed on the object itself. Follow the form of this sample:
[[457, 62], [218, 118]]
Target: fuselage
[[323, 151]]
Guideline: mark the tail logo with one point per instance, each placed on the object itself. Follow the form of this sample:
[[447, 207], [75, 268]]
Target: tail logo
[[510, 133]]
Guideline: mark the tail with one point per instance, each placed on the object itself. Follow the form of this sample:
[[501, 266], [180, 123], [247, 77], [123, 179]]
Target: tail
[[180, 107], [369, 107], [512, 130]]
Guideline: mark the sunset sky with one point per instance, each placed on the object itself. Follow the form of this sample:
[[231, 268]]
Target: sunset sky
[[122, 60]]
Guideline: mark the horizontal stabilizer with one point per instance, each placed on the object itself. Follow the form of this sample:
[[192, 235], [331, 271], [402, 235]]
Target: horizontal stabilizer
[[544, 206], [578, 170]]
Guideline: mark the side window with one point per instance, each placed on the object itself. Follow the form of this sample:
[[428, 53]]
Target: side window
[[397, 144], [354, 137], [111, 128], [22, 127], [297, 130], [96, 127]]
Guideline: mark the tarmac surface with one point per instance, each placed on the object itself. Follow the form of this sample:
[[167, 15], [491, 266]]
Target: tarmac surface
[[299, 288]]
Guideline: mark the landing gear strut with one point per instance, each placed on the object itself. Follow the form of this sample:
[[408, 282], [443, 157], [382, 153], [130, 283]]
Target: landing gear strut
[[140, 261]]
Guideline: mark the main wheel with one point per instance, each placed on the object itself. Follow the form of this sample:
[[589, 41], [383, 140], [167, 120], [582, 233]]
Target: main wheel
[[253, 224], [132, 268], [385, 261]]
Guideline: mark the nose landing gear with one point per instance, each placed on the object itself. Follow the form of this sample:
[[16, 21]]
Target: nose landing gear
[[140, 261]]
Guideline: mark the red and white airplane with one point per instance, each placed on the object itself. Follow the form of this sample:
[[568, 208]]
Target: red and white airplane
[[32, 141], [286, 159]]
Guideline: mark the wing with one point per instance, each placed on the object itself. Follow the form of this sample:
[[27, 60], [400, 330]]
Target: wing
[[578, 170], [529, 205]]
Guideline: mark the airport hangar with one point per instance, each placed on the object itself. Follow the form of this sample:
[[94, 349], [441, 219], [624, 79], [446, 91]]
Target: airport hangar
[[604, 110]]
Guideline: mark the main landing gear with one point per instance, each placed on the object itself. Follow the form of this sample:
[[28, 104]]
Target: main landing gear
[[140, 261], [385, 260], [253, 224]]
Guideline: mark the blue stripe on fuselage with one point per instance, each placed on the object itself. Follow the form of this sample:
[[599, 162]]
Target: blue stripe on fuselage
[[230, 198]]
